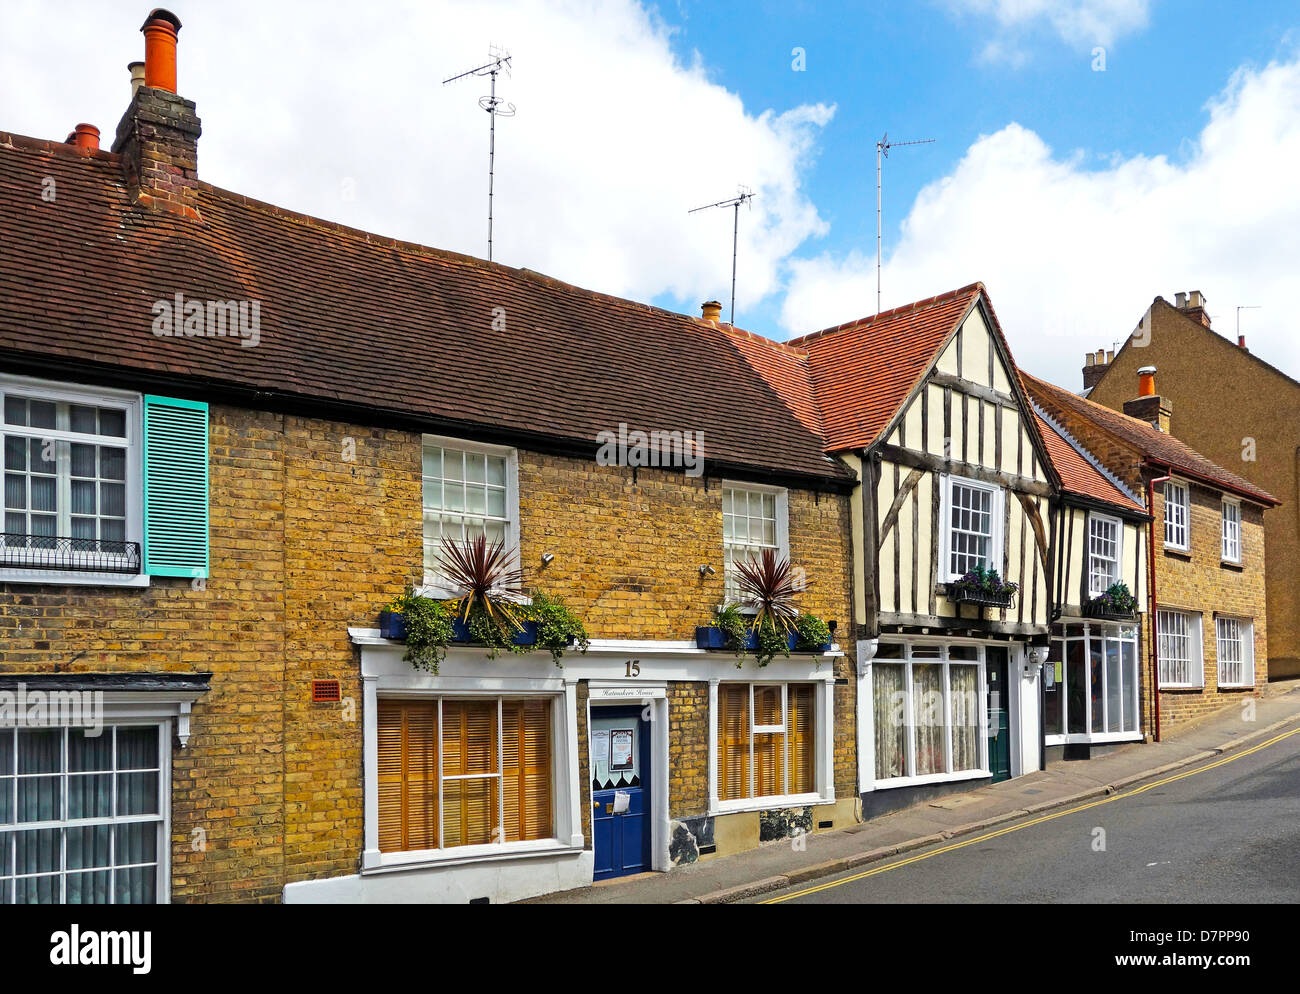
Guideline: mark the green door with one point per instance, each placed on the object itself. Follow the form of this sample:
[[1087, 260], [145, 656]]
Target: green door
[[999, 720]]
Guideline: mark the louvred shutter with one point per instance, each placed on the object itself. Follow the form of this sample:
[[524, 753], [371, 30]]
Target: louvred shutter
[[733, 741], [175, 487], [802, 739]]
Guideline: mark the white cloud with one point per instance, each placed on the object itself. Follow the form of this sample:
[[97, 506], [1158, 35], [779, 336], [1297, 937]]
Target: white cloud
[[1080, 23], [614, 140], [1073, 255]]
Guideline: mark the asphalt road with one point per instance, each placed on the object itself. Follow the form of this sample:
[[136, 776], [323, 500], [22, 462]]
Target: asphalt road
[[1227, 830]]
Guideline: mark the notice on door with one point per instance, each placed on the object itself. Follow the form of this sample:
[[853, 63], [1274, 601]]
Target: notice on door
[[600, 753], [620, 748]]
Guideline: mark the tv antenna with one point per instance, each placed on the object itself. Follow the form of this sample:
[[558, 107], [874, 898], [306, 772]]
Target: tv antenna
[[1245, 307], [882, 152], [744, 196], [495, 107]]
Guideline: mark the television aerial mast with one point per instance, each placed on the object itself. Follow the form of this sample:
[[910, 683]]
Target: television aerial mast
[[744, 196], [882, 152], [496, 107]]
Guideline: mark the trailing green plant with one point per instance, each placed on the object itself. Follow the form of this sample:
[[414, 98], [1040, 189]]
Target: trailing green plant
[[558, 627], [813, 632], [769, 641], [734, 627], [428, 628]]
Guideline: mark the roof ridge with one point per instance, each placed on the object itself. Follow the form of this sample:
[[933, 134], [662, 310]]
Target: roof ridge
[[28, 143], [912, 307]]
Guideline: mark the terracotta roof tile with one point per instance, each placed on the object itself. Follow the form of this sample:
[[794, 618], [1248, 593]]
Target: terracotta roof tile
[[1163, 449], [358, 319], [864, 370]]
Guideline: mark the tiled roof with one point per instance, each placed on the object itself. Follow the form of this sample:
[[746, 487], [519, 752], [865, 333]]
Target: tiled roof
[[1078, 475], [1156, 446], [864, 370], [367, 322]]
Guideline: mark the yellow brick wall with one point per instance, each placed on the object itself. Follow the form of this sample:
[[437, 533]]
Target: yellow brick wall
[[1200, 582], [311, 534]]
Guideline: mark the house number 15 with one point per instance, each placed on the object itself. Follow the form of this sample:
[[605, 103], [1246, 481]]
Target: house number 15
[[633, 667]]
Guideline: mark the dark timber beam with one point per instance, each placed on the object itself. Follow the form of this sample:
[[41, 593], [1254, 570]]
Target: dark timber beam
[[957, 467]]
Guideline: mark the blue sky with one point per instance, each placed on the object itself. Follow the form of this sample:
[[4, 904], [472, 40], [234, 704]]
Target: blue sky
[[916, 70]]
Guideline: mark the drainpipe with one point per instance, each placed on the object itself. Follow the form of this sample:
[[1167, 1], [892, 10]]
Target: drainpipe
[[1151, 595]]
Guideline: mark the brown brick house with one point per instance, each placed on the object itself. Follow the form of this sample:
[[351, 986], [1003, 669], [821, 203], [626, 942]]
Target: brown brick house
[[232, 433], [1207, 643], [1230, 404]]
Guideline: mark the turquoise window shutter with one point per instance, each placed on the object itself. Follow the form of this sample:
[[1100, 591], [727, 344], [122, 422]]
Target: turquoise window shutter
[[175, 487]]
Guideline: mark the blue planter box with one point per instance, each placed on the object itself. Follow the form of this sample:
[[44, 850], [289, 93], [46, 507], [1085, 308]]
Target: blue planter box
[[392, 625], [459, 630], [528, 636], [817, 648], [712, 637]]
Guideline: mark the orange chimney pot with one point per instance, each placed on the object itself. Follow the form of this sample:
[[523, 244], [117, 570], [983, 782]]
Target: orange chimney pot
[[1147, 381], [85, 138], [160, 31]]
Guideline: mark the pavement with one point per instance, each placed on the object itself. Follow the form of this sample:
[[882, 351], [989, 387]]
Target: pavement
[[776, 866]]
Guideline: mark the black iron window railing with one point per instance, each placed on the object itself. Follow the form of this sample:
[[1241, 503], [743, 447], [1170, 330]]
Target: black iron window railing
[[64, 553]]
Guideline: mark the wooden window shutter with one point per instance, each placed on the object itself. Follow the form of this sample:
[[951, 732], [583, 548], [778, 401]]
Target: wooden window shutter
[[802, 710], [469, 743], [408, 775], [769, 748], [175, 487], [733, 741], [526, 734]]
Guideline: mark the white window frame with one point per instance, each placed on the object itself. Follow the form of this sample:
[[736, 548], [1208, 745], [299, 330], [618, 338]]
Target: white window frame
[[1196, 650], [1178, 516], [1085, 631], [567, 836], [1246, 647], [133, 405], [782, 523], [1231, 531], [162, 819], [997, 511], [823, 745], [911, 778], [1118, 561], [435, 585]]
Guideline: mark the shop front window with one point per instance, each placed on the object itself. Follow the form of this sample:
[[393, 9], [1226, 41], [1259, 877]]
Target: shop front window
[[926, 709], [1094, 685]]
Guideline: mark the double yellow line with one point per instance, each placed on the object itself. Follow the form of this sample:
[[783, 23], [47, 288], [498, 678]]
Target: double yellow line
[[1029, 824]]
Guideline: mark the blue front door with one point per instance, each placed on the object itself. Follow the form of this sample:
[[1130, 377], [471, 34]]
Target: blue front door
[[620, 791]]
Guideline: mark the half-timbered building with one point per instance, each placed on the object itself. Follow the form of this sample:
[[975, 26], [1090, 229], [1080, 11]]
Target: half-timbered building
[[953, 567]]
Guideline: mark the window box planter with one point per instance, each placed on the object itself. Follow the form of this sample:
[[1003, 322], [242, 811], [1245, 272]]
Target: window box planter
[[526, 636], [981, 598], [1100, 609], [392, 625], [710, 637]]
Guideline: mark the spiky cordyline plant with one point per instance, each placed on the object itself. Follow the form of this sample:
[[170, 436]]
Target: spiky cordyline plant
[[487, 577], [767, 587]]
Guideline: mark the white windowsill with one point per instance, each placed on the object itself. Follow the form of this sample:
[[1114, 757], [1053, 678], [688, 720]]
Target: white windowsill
[[1182, 686], [1094, 738], [768, 803], [57, 578], [373, 861], [1235, 686], [931, 778]]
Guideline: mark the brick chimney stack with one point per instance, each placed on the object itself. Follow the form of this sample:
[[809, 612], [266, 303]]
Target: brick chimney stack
[[1095, 365], [158, 135], [1192, 304], [1149, 406]]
